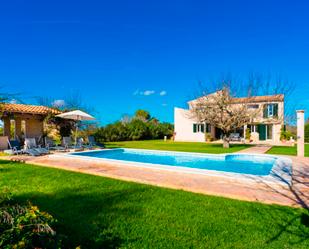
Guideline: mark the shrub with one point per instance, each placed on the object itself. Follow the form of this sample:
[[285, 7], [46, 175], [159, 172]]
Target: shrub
[[208, 137], [286, 135], [136, 128], [25, 226], [248, 134]]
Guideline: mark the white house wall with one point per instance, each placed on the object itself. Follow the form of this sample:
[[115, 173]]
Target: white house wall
[[184, 127]]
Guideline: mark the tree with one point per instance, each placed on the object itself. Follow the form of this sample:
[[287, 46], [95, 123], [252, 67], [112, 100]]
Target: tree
[[142, 115], [220, 110], [134, 129], [138, 130]]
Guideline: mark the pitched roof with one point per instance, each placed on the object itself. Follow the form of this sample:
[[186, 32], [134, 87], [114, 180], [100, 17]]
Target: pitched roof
[[31, 109], [254, 99]]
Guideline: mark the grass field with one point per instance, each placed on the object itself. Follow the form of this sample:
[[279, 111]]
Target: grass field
[[284, 150], [178, 146], [97, 212]]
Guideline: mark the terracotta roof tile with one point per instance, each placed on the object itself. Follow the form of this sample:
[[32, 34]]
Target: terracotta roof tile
[[31, 109], [256, 99]]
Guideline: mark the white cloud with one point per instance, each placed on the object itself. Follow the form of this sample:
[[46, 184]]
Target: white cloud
[[148, 92], [162, 93], [144, 93], [164, 104], [13, 101], [58, 103]]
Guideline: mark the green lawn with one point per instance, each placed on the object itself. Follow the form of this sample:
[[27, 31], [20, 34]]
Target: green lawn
[[97, 212], [284, 150], [178, 146]]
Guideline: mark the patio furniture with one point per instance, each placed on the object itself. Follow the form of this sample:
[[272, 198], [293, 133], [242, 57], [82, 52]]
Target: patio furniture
[[78, 116], [66, 142], [80, 144], [51, 145], [235, 137], [15, 147], [92, 143], [30, 144]]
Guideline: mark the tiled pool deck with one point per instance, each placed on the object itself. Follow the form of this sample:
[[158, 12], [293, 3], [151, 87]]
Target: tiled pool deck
[[250, 190]]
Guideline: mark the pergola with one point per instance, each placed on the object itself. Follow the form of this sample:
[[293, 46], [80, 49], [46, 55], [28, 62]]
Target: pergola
[[22, 121]]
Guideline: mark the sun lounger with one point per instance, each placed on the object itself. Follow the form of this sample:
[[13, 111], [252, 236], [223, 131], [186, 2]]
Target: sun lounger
[[15, 147], [67, 143], [79, 144], [92, 143], [50, 145], [32, 146], [32, 152]]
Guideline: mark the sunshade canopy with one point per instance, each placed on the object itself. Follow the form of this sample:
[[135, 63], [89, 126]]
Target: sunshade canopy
[[76, 115]]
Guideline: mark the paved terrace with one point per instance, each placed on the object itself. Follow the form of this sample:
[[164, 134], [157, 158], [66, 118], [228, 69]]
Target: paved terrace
[[250, 190]]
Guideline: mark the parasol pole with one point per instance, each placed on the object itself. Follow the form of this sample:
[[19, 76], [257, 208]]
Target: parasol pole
[[76, 129]]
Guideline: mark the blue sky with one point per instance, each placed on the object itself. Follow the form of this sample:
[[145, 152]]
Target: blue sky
[[125, 55]]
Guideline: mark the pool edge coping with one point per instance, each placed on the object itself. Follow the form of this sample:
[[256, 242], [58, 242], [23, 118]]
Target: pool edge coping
[[278, 175]]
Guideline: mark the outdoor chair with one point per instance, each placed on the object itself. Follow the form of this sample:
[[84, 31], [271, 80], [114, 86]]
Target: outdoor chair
[[31, 145], [31, 151], [235, 137], [92, 143], [80, 144], [67, 143], [51, 145], [15, 147]]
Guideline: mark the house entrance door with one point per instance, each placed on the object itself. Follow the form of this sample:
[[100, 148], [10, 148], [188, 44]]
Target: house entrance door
[[262, 132]]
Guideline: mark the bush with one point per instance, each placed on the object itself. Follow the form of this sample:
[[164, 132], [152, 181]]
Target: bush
[[135, 129], [286, 135], [307, 133], [208, 137], [25, 226], [248, 134]]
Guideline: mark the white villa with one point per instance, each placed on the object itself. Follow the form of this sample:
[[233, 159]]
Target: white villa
[[265, 128]]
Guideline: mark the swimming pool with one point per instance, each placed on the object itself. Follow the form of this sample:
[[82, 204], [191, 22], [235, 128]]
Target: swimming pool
[[244, 164]]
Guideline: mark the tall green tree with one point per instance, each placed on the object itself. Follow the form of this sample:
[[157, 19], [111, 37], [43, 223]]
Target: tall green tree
[[142, 115]]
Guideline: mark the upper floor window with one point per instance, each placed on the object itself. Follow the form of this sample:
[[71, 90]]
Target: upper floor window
[[270, 110], [253, 106]]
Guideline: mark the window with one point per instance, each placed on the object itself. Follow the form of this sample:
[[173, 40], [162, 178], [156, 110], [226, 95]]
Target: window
[[269, 131], [253, 128], [270, 110], [199, 128], [253, 106]]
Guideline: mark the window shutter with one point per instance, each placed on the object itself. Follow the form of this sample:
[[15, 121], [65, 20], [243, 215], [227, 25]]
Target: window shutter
[[275, 110], [194, 128], [265, 111], [202, 128]]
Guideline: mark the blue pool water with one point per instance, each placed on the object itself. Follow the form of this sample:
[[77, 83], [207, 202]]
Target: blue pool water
[[238, 163]]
